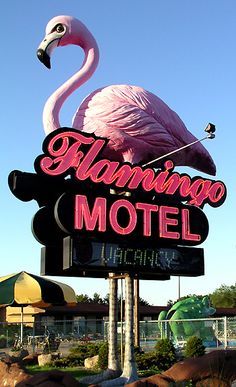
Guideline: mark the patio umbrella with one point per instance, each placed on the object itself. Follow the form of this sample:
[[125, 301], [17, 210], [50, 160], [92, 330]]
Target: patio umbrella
[[23, 289]]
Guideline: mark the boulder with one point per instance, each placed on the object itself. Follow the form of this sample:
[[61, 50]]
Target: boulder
[[151, 381], [50, 379], [219, 364], [217, 368], [91, 362], [18, 355], [11, 373], [45, 359], [31, 359]]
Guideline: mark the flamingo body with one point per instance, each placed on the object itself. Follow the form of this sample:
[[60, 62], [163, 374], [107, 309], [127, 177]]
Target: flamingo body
[[138, 124]]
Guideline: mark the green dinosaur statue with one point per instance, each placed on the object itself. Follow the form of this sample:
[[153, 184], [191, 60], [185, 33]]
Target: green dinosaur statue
[[190, 308]]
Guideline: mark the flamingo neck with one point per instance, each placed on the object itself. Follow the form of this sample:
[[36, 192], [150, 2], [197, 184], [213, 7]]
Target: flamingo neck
[[55, 101]]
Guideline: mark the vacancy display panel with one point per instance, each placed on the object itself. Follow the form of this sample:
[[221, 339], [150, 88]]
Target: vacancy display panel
[[137, 259]]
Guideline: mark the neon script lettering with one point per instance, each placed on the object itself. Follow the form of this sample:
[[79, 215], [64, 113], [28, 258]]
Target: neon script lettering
[[70, 151]]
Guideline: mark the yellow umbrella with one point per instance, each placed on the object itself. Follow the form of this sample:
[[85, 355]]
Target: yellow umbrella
[[22, 289]]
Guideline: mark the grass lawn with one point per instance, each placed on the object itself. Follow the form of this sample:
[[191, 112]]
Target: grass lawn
[[79, 372], [76, 372]]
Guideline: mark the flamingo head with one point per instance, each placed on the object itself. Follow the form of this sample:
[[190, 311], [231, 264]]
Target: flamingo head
[[61, 31]]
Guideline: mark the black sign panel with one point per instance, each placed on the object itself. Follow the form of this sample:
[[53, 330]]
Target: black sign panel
[[172, 223], [52, 264], [147, 263]]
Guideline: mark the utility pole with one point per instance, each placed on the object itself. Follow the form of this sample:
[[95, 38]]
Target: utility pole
[[178, 287], [136, 313]]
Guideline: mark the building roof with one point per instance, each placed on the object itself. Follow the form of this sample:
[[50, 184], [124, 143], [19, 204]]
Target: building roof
[[228, 312], [81, 307], [94, 308], [145, 310]]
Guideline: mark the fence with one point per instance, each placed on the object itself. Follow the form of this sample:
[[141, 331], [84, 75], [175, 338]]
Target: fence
[[215, 332]]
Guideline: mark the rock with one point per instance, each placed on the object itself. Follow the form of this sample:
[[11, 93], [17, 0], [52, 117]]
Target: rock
[[217, 368], [12, 373], [212, 382], [5, 357], [91, 362], [51, 379], [151, 381], [31, 359], [18, 355], [219, 364], [44, 359]]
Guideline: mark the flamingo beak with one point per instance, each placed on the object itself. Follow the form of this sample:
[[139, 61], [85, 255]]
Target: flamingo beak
[[45, 49], [44, 57]]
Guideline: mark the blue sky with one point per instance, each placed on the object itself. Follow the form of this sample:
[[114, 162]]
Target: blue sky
[[183, 51]]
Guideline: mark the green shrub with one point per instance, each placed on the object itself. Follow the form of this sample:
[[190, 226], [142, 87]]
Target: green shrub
[[145, 361], [3, 341], [194, 347], [77, 355], [65, 362], [162, 358], [86, 350], [103, 356], [165, 354]]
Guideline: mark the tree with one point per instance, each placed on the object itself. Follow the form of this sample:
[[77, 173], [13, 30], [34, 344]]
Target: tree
[[88, 300], [83, 298], [105, 301], [97, 299], [224, 297], [143, 302]]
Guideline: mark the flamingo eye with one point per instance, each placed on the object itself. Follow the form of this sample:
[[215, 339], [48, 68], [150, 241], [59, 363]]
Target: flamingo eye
[[59, 28]]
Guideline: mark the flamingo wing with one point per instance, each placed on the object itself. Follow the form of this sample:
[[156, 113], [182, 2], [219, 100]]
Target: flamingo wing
[[140, 127]]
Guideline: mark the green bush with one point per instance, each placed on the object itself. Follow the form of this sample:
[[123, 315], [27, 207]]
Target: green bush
[[3, 341], [77, 355], [159, 360], [86, 350], [103, 356], [194, 347], [145, 361], [162, 358], [165, 354], [67, 361]]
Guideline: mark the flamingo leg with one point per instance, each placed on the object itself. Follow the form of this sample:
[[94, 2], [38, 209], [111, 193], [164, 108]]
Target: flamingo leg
[[129, 373], [114, 369]]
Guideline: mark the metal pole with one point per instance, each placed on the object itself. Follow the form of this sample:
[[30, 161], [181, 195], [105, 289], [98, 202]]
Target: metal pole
[[209, 136], [225, 332], [33, 342], [136, 313], [21, 324], [178, 287], [121, 324]]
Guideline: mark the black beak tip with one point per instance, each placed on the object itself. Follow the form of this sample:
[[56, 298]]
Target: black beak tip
[[44, 58]]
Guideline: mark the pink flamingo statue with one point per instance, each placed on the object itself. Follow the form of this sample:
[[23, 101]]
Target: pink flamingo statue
[[139, 126]]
